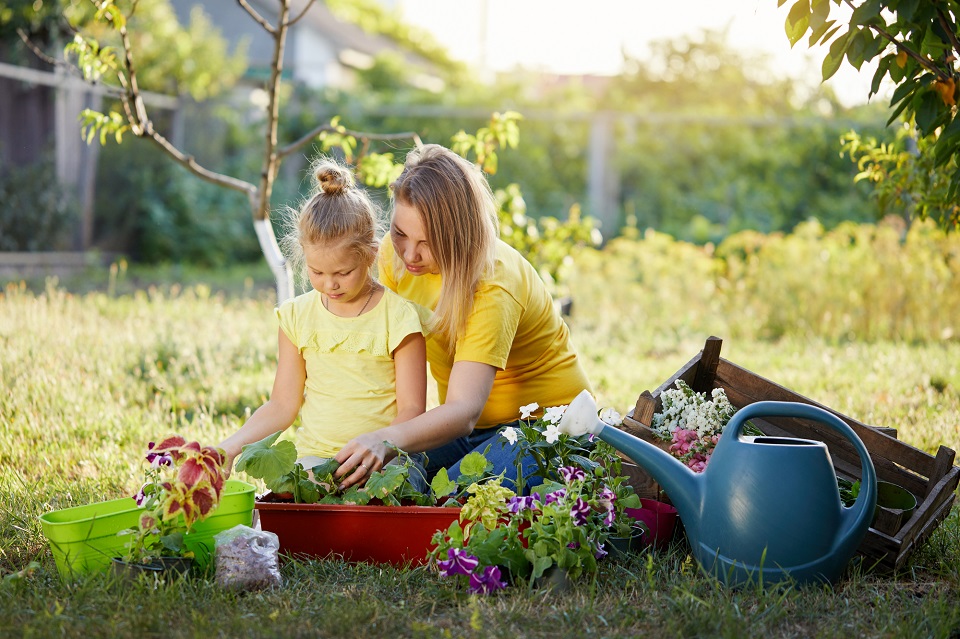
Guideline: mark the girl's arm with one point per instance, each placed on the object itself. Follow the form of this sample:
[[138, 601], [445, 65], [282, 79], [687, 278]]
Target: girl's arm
[[467, 393], [281, 409], [410, 365]]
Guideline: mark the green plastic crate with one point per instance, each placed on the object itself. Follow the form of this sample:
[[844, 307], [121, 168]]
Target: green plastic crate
[[84, 538]]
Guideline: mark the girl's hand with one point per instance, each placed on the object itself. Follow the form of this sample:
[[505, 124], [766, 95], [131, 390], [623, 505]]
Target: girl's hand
[[364, 454]]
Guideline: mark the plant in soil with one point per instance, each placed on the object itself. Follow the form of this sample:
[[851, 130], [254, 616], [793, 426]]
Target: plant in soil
[[183, 484]]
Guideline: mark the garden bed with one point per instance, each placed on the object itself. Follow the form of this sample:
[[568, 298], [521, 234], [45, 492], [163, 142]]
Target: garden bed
[[933, 479]]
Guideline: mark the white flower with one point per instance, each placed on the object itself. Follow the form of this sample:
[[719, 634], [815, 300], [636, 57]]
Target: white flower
[[551, 433], [510, 434], [611, 417], [528, 410], [554, 413]]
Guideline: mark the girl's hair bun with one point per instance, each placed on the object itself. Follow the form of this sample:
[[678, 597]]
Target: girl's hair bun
[[332, 178]]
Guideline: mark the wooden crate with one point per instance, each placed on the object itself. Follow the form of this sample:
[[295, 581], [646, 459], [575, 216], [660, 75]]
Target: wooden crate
[[932, 479]]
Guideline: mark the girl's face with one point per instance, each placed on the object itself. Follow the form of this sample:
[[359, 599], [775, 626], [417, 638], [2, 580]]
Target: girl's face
[[339, 273], [410, 240]]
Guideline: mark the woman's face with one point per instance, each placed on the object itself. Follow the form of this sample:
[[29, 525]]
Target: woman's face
[[410, 240]]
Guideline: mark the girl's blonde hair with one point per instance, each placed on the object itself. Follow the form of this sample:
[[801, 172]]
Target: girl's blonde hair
[[336, 212], [459, 215]]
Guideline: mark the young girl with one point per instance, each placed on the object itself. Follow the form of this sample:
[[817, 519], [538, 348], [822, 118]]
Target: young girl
[[497, 342], [351, 354]]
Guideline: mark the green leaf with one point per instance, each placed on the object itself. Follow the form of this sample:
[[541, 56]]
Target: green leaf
[[903, 91], [819, 12], [882, 68], [328, 467], [818, 33], [906, 8], [798, 19], [267, 459], [927, 112], [948, 144], [855, 47], [865, 12], [831, 63], [474, 464], [388, 479], [441, 485]]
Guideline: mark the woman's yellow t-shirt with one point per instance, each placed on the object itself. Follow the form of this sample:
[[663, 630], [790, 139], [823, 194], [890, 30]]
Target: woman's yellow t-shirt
[[513, 326], [351, 385]]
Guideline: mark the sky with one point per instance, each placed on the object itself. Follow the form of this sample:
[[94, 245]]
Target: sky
[[575, 37]]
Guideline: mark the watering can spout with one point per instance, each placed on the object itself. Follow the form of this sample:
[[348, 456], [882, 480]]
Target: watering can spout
[[684, 486]]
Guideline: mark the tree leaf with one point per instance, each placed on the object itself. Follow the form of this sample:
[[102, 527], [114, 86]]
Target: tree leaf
[[819, 32], [882, 69], [798, 19], [948, 144], [906, 9], [855, 47], [927, 112], [865, 12], [832, 62]]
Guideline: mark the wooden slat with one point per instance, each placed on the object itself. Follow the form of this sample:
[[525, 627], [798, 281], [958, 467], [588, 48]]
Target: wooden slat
[[646, 406], [942, 464], [748, 385], [703, 380]]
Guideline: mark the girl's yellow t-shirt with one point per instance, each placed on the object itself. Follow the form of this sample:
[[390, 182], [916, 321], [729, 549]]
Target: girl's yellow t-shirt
[[513, 326], [351, 380]]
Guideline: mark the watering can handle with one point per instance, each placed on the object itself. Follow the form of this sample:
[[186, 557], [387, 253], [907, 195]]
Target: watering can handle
[[866, 501]]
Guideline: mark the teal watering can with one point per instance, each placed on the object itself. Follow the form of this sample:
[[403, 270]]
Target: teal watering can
[[766, 510]]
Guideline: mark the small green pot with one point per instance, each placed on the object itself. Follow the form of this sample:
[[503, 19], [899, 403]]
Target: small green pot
[[895, 505]]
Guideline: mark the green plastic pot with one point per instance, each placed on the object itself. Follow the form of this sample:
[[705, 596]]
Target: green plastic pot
[[895, 505], [84, 539]]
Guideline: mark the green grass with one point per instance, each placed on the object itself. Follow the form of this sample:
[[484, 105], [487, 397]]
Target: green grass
[[88, 377]]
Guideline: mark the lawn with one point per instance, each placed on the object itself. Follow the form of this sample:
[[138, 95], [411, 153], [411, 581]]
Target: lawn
[[89, 376]]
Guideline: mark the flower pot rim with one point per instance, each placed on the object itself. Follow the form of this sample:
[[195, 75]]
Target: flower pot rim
[[353, 508]]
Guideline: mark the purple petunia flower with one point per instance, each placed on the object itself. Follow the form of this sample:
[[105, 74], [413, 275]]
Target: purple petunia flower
[[609, 517], [460, 563], [572, 473], [518, 504], [157, 460], [579, 512], [486, 581], [601, 552], [141, 496], [555, 496]]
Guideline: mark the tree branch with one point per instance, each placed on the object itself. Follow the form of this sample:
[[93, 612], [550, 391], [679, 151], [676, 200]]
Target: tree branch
[[191, 164], [290, 23], [290, 148], [140, 124], [950, 30], [37, 51], [269, 28], [922, 61]]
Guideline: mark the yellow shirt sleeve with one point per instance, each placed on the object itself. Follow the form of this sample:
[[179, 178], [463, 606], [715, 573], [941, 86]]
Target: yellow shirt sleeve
[[491, 328]]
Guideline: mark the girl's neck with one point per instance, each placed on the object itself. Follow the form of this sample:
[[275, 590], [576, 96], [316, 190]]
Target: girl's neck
[[363, 303]]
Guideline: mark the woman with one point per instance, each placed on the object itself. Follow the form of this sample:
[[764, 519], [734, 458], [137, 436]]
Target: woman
[[496, 340]]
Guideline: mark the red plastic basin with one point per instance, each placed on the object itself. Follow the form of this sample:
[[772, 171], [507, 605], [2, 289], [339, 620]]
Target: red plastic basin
[[397, 535]]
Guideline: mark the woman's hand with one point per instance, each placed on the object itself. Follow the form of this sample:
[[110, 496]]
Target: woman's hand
[[364, 454]]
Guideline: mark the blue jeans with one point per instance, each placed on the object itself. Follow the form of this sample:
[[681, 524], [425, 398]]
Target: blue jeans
[[502, 454]]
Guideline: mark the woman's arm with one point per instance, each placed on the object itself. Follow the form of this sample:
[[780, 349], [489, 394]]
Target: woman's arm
[[467, 393], [281, 409]]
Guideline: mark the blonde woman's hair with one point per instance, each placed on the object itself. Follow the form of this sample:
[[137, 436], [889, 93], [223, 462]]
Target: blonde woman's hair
[[336, 212], [459, 215]]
